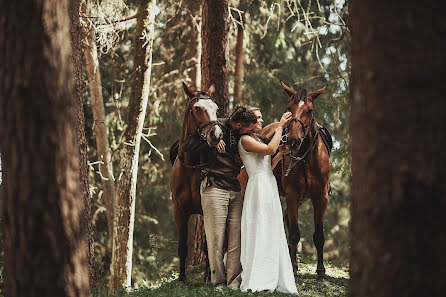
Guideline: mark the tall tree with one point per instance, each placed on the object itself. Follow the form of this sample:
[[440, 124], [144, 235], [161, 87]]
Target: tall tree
[[239, 62], [124, 210], [100, 127], [196, 238], [76, 46], [45, 250], [397, 128], [214, 59]]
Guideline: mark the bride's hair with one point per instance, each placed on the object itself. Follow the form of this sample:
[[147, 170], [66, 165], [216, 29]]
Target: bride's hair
[[243, 115]]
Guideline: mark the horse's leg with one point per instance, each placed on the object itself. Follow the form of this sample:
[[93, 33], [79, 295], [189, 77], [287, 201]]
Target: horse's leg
[[320, 206], [293, 228], [181, 221]]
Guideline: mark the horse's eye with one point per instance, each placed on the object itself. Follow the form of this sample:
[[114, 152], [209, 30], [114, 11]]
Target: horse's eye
[[310, 111], [288, 108], [197, 107]]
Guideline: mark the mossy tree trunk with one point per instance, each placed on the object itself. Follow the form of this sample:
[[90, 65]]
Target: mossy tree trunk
[[76, 46], [124, 210], [100, 126]]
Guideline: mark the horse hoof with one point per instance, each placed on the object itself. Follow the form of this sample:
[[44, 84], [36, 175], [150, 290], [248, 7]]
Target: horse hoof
[[182, 278], [321, 274]]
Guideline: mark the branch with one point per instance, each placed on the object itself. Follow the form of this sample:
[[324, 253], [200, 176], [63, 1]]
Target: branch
[[146, 138]]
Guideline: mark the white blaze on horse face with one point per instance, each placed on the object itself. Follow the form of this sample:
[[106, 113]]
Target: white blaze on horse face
[[301, 102], [211, 108]]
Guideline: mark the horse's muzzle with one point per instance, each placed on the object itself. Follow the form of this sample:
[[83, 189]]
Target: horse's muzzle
[[214, 136], [294, 143]]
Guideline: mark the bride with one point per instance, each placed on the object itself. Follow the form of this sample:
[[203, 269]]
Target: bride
[[264, 252]]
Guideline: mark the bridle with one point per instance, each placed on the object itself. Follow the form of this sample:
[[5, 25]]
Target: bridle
[[200, 128], [293, 154]]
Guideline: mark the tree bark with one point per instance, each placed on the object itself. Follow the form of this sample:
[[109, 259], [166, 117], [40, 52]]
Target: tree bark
[[196, 240], [198, 62], [214, 60], [76, 46], [45, 250], [100, 127], [239, 64], [397, 127], [124, 215]]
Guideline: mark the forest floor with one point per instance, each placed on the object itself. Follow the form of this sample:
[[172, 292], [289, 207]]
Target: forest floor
[[307, 285]]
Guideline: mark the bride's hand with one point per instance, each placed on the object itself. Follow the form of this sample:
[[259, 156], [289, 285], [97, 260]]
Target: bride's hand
[[286, 117]]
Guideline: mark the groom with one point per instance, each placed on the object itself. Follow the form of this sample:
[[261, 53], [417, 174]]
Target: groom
[[221, 198]]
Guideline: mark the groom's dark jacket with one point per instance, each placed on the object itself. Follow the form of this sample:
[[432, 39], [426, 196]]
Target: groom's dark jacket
[[221, 169]]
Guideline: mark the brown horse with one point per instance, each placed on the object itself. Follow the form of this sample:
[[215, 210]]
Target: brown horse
[[200, 117], [304, 171]]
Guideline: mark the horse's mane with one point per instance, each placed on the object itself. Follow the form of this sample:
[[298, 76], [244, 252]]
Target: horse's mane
[[184, 129]]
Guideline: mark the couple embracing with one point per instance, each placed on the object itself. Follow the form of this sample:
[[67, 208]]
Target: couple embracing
[[257, 256]]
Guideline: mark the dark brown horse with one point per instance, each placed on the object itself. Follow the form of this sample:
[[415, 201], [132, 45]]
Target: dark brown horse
[[199, 118], [304, 171]]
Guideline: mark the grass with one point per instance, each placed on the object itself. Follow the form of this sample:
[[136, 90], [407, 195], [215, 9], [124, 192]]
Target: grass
[[306, 280]]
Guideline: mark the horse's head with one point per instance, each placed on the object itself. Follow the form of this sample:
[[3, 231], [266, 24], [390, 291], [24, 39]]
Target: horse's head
[[301, 105], [202, 115]]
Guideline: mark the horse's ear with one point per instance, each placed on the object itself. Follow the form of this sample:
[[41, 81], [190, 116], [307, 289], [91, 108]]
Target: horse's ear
[[287, 89], [316, 93], [189, 92], [211, 90]]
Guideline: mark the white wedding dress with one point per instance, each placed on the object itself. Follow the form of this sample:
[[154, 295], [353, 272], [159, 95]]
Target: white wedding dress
[[264, 256]]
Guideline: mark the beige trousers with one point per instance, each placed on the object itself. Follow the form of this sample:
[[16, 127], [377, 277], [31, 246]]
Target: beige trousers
[[222, 211]]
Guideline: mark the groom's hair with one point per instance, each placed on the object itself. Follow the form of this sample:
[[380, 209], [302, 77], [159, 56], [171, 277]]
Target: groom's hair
[[243, 115]]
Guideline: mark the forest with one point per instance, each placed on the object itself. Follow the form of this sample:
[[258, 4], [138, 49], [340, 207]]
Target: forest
[[92, 99]]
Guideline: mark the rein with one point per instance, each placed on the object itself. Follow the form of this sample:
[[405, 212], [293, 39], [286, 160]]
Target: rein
[[306, 129], [302, 158], [199, 132]]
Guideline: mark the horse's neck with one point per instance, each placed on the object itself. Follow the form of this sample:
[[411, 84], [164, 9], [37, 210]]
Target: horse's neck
[[184, 132]]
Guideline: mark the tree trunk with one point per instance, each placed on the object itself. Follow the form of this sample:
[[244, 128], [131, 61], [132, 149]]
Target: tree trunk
[[214, 60], [124, 215], [397, 128], [198, 62], [239, 64], [76, 46], [196, 240], [100, 127], [45, 250]]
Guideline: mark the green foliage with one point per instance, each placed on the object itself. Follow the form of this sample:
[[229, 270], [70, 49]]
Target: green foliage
[[277, 48], [307, 285]]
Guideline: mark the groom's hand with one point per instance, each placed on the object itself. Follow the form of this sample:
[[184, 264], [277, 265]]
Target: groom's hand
[[221, 146]]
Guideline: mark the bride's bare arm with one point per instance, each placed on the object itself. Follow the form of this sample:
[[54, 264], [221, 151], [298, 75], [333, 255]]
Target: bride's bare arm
[[254, 146]]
